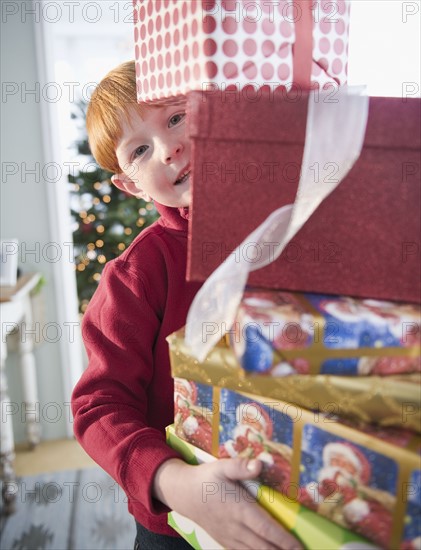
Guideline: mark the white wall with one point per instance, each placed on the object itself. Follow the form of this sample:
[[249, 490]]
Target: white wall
[[27, 204]]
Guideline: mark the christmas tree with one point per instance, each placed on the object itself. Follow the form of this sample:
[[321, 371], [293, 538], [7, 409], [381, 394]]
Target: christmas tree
[[106, 220]]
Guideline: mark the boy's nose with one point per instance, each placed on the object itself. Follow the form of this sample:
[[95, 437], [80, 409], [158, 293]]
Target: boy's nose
[[171, 151]]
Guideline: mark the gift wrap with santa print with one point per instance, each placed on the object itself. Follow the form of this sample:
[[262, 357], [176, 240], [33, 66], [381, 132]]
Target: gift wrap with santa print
[[363, 240], [282, 333], [358, 476], [393, 400], [183, 45], [314, 531]]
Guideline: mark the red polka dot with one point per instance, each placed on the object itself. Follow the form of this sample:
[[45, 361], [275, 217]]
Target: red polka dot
[[284, 71], [195, 50], [138, 89], [249, 26], [167, 39], [337, 66], [211, 69], [144, 67], [177, 77], [284, 50], [168, 79], [136, 52], [142, 13], [196, 71], [186, 73], [229, 5], [338, 46], [158, 23], [177, 58], [151, 45], [159, 42], [285, 29], [150, 26], [166, 3], [324, 45], [160, 62], [152, 63], [157, 5], [185, 31], [168, 60], [325, 26], [137, 69], [209, 24], [186, 53], [340, 26], [161, 81], [230, 70], [267, 71], [150, 7], [230, 48], [153, 82], [207, 5], [266, 7], [136, 34], [135, 15], [268, 27], [268, 48], [194, 28], [209, 47], [249, 69], [176, 37], [143, 32], [146, 86], [249, 46], [229, 25], [193, 6], [341, 7], [175, 17], [184, 10]]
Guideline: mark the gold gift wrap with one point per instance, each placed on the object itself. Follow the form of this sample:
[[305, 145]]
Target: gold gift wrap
[[363, 478], [388, 401]]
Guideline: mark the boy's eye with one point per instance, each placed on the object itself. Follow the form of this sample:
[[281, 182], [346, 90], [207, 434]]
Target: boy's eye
[[175, 119], [140, 151]]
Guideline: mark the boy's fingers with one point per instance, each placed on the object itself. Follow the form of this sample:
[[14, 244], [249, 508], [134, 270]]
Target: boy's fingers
[[237, 469]]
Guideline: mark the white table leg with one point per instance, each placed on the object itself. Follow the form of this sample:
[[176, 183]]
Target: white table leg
[[29, 378], [7, 445]]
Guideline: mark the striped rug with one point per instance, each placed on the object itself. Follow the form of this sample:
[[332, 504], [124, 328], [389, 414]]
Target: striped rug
[[71, 510]]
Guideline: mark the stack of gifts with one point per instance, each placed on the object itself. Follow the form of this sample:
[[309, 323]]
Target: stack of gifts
[[315, 368]]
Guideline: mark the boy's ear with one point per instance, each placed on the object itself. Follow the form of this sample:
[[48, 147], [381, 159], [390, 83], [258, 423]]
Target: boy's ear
[[124, 183]]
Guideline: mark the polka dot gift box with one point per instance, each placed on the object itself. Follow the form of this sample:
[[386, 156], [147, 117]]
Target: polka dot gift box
[[184, 45]]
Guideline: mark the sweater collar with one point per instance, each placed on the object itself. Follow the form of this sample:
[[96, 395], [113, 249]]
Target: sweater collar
[[173, 217]]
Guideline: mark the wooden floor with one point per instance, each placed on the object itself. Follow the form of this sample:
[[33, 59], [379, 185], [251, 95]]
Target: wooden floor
[[51, 456]]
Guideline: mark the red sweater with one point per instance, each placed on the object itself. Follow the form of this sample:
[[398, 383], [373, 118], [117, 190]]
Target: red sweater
[[124, 399]]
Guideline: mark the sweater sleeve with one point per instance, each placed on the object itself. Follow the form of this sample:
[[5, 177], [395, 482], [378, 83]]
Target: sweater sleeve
[[110, 402]]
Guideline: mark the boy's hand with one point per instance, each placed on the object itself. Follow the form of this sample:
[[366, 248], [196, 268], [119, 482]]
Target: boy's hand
[[212, 496]]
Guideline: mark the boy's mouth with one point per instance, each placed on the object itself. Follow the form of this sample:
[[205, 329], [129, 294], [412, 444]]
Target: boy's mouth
[[183, 177]]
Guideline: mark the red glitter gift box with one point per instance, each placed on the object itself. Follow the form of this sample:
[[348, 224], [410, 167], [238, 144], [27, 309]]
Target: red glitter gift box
[[363, 240]]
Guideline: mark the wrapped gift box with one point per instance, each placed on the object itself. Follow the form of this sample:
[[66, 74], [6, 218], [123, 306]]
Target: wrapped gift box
[[357, 476], [184, 45], [363, 240], [386, 400], [311, 529], [282, 333]]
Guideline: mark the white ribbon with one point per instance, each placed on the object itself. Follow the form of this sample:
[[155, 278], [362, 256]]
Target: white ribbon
[[334, 137]]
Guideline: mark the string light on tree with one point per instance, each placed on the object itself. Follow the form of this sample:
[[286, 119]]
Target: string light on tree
[[106, 220]]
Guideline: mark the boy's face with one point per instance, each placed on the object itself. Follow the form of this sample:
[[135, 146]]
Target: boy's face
[[154, 154]]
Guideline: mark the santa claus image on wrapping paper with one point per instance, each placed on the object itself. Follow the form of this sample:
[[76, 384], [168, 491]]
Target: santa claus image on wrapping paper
[[342, 493], [357, 323], [192, 418], [252, 438]]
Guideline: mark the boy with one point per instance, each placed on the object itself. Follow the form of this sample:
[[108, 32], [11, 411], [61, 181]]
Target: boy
[[124, 399]]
